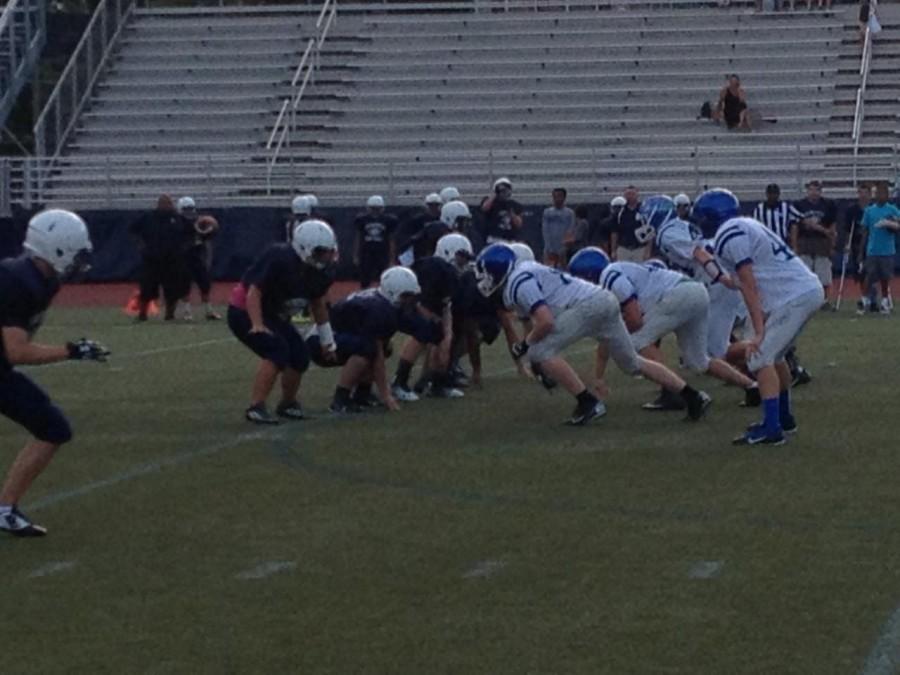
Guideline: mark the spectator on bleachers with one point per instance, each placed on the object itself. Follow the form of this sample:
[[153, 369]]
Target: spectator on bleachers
[[557, 220], [430, 212], [623, 242], [776, 214], [814, 235], [502, 214], [852, 237], [579, 236], [732, 105]]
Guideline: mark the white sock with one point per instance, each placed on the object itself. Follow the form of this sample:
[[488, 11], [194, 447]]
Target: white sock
[[5, 509]]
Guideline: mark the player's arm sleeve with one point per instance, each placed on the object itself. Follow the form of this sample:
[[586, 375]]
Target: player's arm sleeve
[[732, 246], [620, 286], [525, 294], [265, 267]]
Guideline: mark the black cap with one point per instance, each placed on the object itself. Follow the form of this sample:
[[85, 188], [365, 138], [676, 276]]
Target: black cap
[[773, 188]]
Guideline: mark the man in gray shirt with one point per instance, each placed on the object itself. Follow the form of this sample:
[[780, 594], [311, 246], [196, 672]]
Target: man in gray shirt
[[558, 220]]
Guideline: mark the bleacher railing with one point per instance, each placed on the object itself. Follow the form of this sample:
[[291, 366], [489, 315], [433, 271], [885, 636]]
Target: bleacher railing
[[860, 111], [304, 75], [23, 33], [73, 89], [130, 181]]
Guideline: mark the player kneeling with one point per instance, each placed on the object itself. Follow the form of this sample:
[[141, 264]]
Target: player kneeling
[[363, 324], [656, 301], [564, 310], [57, 247], [284, 280], [781, 295]]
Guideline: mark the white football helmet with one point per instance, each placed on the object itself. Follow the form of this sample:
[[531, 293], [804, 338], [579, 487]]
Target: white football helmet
[[454, 212], [449, 194], [61, 239], [313, 201], [433, 198], [523, 252], [397, 282], [682, 200], [185, 204], [452, 245], [618, 202], [504, 181], [300, 206], [375, 202], [312, 240]]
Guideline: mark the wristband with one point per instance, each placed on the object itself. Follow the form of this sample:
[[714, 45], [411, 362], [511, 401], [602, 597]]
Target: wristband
[[326, 337], [717, 271]]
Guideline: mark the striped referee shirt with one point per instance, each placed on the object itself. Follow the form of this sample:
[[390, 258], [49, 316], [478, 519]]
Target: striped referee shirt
[[778, 218]]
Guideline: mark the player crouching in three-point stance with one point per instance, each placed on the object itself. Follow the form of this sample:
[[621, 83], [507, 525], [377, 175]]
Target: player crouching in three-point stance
[[781, 295], [57, 247], [282, 282], [363, 324], [563, 310]]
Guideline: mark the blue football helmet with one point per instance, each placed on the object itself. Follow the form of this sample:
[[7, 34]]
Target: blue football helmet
[[657, 210], [588, 264], [713, 208], [492, 268]]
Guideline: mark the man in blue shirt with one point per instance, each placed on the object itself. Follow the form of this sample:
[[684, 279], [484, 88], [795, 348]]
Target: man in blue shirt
[[56, 246], [881, 222]]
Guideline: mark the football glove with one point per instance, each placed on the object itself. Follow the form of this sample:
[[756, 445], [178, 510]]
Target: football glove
[[519, 349], [87, 350]]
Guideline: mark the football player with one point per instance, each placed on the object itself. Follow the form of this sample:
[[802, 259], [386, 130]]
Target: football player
[[285, 279], [449, 194], [413, 226], [301, 210], [363, 324], [563, 310], [439, 280], [199, 256], [57, 247], [781, 295], [374, 248], [655, 302]]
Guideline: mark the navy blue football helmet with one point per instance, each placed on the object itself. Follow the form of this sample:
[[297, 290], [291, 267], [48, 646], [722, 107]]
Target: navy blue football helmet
[[713, 208], [588, 264], [657, 210], [492, 268]]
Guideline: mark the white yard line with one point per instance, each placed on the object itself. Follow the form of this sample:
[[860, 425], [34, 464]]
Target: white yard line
[[706, 569], [155, 466], [51, 568], [484, 569], [884, 659], [266, 569]]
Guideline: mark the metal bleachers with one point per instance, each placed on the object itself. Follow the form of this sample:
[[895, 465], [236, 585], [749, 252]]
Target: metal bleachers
[[407, 97]]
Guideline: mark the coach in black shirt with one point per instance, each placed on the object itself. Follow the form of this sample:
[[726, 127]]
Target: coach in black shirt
[[502, 214], [164, 237], [623, 242]]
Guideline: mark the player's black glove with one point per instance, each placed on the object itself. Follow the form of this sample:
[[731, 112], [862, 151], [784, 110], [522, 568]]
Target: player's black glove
[[519, 349], [87, 350]]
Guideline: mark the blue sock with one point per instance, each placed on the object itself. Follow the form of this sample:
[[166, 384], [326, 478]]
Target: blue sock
[[784, 404], [771, 419]]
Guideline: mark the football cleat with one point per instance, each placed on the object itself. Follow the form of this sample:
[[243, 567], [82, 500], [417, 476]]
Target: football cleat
[[259, 415], [800, 377], [344, 408], [290, 411], [585, 413], [17, 524], [756, 435], [665, 401], [446, 392], [697, 405], [213, 316], [368, 402], [404, 394]]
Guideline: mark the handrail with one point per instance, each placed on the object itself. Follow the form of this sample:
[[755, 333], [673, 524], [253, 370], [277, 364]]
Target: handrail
[[23, 34], [284, 107], [83, 59], [860, 109]]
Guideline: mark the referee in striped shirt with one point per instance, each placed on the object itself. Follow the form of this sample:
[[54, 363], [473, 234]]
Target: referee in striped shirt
[[776, 214]]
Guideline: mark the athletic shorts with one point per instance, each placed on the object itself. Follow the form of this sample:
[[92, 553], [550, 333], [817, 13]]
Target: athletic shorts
[[26, 404], [683, 310], [422, 329], [783, 325], [597, 316], [724, 305], [283, 346], [635, 255], [820, 265], [879, 268]]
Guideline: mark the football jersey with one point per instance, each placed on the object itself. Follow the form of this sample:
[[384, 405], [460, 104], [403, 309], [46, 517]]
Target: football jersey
[[531, 285], [780, 275], [287, 284], [645, 283], [367, 313], [25, 294], [677, 240], [439, 281]]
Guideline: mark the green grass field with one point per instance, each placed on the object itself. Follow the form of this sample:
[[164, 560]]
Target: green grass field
[[471, 536]]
